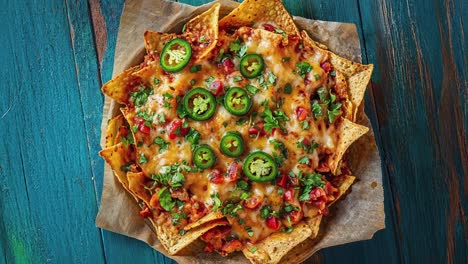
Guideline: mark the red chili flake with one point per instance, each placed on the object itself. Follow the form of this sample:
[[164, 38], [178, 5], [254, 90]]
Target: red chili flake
[[145, 212], [269, 27], [273, 222]]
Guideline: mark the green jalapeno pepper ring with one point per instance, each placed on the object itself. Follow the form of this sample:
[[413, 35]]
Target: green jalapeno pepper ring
[[232, 144], [260, 167]]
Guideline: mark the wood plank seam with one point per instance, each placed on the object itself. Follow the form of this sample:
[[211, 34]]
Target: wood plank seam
[[101, 238], [379, 141]]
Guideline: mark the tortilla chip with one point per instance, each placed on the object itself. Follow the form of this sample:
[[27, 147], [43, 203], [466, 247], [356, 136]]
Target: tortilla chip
[[343, 186], [136, 184], [348, 132], [314, 224], [255, 13], [174, 242], [207, 218], [113, 130], [357, 75], [117, 156], [202, 32], [155, 41], [273, 248], [120, 87]]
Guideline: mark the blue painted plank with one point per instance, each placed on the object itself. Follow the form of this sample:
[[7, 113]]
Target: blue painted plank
[[420, 52], [47, 195], [94, 54]]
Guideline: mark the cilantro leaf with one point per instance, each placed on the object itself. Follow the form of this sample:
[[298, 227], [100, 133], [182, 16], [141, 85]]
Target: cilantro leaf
[[303, 68]]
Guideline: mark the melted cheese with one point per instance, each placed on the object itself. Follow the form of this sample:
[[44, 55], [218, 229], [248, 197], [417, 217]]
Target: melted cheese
[[212, 130]]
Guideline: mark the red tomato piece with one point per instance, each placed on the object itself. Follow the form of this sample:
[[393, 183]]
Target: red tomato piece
[[269, 27], [233, 172], [257, 129], [295, 216], [326, 66], [176, 129], [145, 212], [283, 181], [273, 222], [288, 195], [123, 131], [231, 246], [252, 202], [216, 177], [143, 128], [208, 248], [216, 87], [228, 65]]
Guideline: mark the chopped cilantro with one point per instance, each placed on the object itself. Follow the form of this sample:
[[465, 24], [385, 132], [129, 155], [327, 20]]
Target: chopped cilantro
[[195, 68], [305, 125], [203, 39], [209, 80], [251, 89], [142, 159], [156, 81], [271, 78], [304, 160], [238, 78], [317, 77], [288, 88], [126, 167], [265, 211], [253, 249], [273, 119], [303, 68], [192, 82], [165, 199], [308, 182], [241, 121], [141, 96], [216, 201], [285, 59], [163, 145]]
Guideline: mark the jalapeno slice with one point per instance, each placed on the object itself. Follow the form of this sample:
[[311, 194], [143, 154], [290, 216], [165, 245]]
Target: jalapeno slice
[[232, 144], [200, 104], [237, 101], [175, 55], [204, 157], [260, 167], [251, 65]]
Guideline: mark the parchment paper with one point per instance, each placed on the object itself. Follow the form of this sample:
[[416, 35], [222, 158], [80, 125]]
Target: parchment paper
[[356, 217]]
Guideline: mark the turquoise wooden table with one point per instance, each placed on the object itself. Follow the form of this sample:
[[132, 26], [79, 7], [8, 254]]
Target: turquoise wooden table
[[55, 55]]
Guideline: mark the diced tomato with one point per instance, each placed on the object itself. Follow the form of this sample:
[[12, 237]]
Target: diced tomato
[[283, 181], [273, 222], [233, 172], [252, 202], [145, 212], [216, 177], [216, 87], [176, 129], [331, 191], [281, 131], [323, 167], [217, 232], [288, 195], [228, 65], [295, 216], [123, 131], [257, 129], [269, 27], [294, 38], [138, 120], [231, 246], [208, 248], [326, 66], [143, 128], [301, 113], [317, 194]]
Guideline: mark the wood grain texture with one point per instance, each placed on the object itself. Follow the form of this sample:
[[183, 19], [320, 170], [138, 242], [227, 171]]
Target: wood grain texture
[[58, 53]]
